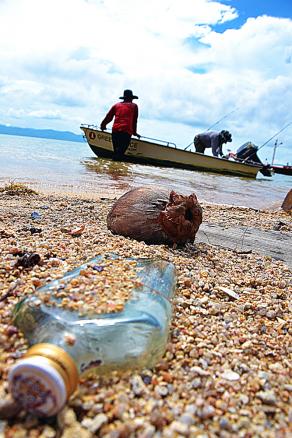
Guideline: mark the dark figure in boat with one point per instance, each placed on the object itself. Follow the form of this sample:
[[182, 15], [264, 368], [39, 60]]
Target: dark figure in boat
[[212, 139]]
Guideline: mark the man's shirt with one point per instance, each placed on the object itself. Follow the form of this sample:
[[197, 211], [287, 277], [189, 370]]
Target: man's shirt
[[126, 116]]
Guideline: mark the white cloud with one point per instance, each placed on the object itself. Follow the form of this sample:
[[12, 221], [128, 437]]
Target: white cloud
[[64, 62]]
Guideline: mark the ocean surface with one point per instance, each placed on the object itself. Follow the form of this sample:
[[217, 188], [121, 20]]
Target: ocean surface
[[55, 166]]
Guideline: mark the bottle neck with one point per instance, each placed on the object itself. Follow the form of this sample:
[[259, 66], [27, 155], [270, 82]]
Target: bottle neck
[[43, 380], [60, 360]]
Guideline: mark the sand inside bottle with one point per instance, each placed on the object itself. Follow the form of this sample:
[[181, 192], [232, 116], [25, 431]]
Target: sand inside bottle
[[98, 288]]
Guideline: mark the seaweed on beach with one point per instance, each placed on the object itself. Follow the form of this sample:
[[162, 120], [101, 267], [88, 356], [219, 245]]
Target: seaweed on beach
[[14, 188]]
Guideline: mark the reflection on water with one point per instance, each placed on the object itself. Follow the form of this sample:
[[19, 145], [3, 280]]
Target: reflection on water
[[114, 172], [60, 166], [115, 169], [209, 187]]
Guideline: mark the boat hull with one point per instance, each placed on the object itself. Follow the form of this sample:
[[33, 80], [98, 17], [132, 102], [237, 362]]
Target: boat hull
[[145, 152], [283, 170]]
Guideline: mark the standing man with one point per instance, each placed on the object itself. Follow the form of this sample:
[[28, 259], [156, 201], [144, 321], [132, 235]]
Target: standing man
[[125, 123], [212, 139]]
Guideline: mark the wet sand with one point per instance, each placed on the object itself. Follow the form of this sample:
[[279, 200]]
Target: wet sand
[[227, 367]]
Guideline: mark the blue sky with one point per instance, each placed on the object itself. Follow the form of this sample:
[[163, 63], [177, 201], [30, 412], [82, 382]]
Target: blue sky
[[190, 62], [255, 8]]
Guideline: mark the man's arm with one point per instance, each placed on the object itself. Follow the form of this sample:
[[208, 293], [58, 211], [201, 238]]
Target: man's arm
[[216, 146], [135, 119], [108, 118]]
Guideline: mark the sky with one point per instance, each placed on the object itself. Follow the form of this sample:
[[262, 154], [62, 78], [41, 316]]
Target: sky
[[195, 65]]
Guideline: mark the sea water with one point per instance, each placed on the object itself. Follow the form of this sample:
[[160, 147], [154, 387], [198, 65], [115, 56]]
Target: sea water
[[55, 166]]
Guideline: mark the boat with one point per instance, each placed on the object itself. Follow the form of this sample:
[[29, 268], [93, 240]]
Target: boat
[[279, 168], [283, 170], [162, 153]]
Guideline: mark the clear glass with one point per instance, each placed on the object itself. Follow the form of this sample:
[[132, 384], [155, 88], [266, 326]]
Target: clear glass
[[133, 338]]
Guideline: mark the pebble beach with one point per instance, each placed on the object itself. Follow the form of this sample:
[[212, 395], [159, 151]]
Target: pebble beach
[[226, 371]]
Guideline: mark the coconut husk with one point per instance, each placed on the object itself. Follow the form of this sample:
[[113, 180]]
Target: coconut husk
[[287, 203], [156, 215]]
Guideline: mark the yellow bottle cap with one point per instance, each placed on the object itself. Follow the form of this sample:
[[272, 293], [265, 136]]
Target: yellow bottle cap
[[43, 380]]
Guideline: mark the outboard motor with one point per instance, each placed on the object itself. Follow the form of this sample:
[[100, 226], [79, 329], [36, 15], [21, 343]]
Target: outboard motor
[[248, 153]]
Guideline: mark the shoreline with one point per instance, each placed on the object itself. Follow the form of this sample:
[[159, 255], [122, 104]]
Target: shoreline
[[114, 193], [225, 370]]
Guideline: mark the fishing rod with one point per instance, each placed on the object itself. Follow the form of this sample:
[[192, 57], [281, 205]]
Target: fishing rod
[[275, 135], [212, 126], [266, 142], [220, 120]]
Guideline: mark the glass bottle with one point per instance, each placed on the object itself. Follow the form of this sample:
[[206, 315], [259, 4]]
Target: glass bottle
[[133, 338]]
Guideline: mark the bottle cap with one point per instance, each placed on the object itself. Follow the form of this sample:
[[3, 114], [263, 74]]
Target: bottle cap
[[41, 382]]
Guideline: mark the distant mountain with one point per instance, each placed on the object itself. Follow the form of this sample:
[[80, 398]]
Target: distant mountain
[[40, 133]]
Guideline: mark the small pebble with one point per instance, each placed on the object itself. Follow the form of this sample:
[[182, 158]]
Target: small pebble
[[230, 375], [267, 397]]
